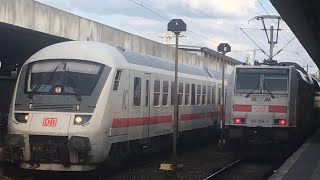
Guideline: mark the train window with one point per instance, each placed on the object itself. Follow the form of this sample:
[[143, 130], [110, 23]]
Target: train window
[[165, 92], [213, 94], [172, 93], [117, 80], [180, 93], [147, 93], [69, 75], [198, 94], [156, 93], [275, 83], [137, 91], [193, 94], [247, 82], [204, 93], [209, 95], [186, 94]]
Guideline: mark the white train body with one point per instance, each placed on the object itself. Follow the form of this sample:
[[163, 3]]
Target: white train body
[[74, 100], [269, 103]]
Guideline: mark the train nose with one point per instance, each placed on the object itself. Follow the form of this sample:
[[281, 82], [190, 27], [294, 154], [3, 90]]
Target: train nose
[[49, 124]]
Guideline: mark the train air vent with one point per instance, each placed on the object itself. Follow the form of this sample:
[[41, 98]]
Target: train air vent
[[69, 107]]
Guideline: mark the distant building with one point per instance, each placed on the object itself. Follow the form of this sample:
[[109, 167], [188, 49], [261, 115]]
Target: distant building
[[212, 55]]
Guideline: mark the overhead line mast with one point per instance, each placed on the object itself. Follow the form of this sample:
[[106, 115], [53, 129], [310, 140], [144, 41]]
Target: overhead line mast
[[270, 36]]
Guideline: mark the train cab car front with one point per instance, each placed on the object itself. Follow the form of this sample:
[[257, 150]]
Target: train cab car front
[[54, 108]]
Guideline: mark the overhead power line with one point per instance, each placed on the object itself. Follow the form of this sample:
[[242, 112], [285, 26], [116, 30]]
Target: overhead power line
[[217, 21], [152, 11], [281, 32], [140, 4], [284, 47], [254, 42]]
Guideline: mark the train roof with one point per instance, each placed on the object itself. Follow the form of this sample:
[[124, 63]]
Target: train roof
[[81, 50], [114, 57], [261, 67], [165, 64]]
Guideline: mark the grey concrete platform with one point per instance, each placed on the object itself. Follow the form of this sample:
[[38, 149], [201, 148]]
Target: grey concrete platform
[[304, 164]]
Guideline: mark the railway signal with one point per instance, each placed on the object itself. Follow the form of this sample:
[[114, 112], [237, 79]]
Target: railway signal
[[223, 48], [176, 26]]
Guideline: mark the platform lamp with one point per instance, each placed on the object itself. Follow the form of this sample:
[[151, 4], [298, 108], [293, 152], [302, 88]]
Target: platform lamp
[[223, 48], [176, 26]]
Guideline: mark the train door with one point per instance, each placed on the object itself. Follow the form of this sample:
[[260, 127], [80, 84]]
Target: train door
[[146, 105], [135, 105]]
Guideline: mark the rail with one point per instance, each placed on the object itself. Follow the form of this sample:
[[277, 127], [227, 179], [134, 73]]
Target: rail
[[222, 170]]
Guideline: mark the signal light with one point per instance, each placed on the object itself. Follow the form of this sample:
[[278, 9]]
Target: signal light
[[239, 120]]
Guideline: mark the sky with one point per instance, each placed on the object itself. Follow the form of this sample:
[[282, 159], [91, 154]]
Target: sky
[[209, 23]]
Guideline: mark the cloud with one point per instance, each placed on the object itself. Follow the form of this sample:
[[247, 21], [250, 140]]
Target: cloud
[[213, 21], [234, 8]]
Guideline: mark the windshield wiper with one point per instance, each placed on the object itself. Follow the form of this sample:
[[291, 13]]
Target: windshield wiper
[[265, 87], [74, 86], [251, 91], [40, 84]]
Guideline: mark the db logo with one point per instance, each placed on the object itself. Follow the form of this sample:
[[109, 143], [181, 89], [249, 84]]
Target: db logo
[[49, 122]]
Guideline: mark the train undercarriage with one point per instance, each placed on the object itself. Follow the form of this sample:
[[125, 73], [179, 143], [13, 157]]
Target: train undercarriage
[[261, 135]]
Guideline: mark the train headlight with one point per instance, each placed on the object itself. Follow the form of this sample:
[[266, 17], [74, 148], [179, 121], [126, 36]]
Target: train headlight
[[81, 119], [22, 117], [78, 119]]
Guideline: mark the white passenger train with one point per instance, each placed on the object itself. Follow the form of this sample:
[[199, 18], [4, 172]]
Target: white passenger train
[[269, 104], [76, 101]]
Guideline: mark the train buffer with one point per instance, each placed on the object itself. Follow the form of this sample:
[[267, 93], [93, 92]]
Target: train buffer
[[304, 163]]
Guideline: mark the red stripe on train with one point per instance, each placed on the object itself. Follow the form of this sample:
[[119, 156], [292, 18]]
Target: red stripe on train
[[194, 116], [140, 121], [242, 108], [278, 109]]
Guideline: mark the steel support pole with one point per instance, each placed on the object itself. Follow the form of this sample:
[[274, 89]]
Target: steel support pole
[[176, 107], [222, 101], [271, 43]]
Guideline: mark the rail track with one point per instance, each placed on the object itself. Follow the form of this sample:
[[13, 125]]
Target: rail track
[[222, 170], [243, 170]]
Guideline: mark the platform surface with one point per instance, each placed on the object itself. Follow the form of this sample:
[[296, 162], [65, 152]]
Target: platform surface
[[304, 164]]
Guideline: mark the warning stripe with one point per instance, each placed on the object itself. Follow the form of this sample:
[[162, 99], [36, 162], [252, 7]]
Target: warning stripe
[[248, 108], [242, 108], [278, 109]]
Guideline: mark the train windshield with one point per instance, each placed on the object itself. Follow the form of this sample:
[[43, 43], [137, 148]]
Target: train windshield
[[276, 83], [62, 77], [262, 81]]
